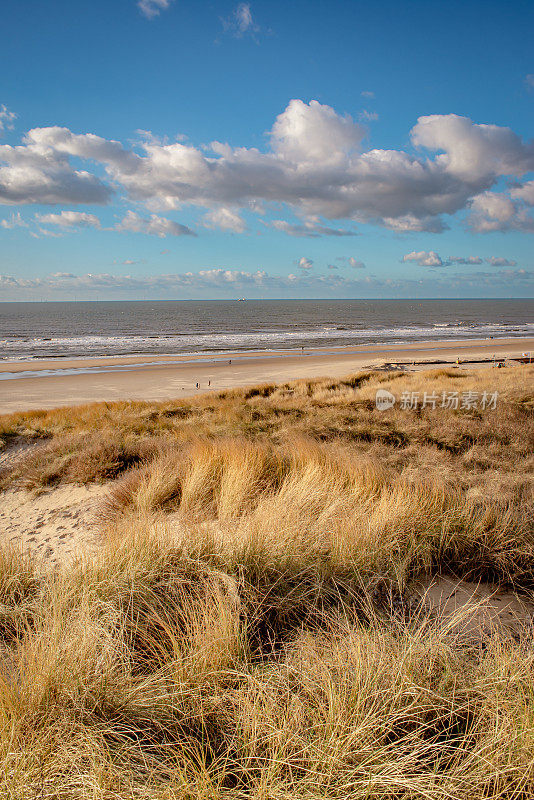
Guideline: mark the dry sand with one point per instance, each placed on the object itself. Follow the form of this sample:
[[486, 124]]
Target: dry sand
[[55, 525], [470, 610], [132, 378]]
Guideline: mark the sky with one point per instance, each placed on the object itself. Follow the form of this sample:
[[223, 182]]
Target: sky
[[182, 149]]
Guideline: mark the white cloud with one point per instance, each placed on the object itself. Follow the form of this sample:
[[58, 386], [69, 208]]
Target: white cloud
[[154, 225], [310, 228], [70, 219], [313, 134], [504, 276], [350, 261], [305, 263], [315, 165], [14, 221], [243, 16], [355, 264], [241, 22], [236, 282], [151, 8], [432, 259], [492, 211], [424, 258], [496, 261], [38, 172], [410, 223], [368, 116], [225, 219], [465, 260], [523, 192], [529, 81], [7, 119], [473, 153], [367, 94], [45, 232]]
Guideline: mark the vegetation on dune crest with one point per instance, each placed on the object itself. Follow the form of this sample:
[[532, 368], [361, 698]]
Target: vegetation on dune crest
[[244, 632]]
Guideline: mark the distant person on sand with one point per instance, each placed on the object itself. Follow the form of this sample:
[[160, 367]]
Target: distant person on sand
[[230, 361]]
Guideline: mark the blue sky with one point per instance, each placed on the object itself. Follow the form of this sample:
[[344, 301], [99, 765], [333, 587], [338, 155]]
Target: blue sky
[[180, 149]]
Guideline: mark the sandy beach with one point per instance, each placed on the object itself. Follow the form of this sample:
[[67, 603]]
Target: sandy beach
[[53, 383]]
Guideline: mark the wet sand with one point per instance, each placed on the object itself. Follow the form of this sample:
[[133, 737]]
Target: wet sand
[[150, 377]]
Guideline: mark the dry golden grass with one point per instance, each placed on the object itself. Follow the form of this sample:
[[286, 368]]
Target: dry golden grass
[[244, 632]]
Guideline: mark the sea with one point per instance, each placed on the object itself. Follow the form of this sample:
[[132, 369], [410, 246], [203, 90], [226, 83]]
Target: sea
[[56, 330]]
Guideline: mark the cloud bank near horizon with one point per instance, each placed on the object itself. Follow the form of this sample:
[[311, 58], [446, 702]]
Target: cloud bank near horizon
[[233, 282]]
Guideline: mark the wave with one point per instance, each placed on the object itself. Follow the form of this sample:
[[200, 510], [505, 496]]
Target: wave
[[273, 339]]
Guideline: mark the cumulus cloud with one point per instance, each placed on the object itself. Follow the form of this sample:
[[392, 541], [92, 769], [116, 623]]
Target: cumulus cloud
[[305, 263], [151, 8], [314, 134], [493, 211], [424, 258], [70, 219], [315, 165], [225, 219], [529, 81], [368, 94], [38, 172], [7, 119], [154, 225]]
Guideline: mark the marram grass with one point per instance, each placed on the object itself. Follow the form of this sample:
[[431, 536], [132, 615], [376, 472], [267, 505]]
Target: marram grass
[[245, 630]]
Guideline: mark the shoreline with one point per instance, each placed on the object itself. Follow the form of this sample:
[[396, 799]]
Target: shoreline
[[111, 378]]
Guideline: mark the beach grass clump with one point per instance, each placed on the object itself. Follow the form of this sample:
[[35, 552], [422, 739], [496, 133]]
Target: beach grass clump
[[466, 446], [143, 675], [79, 458]]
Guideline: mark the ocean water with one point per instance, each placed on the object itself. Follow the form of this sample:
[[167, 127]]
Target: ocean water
[[63, 330]]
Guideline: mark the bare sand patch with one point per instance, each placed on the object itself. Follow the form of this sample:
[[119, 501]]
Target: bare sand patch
[[55, 525], [474, 610]]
